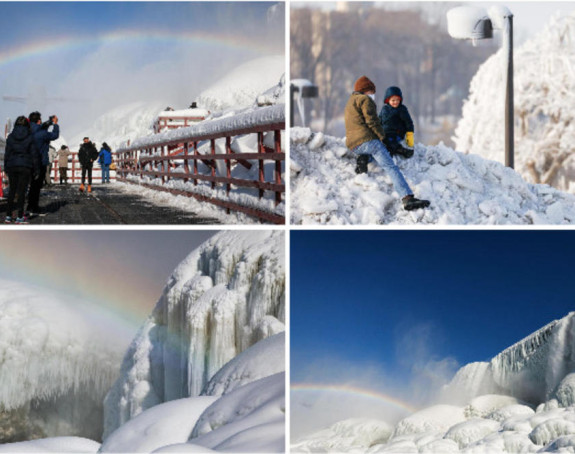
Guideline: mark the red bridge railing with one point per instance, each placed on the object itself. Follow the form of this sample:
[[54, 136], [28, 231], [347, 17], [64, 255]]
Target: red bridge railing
[[75, 171], [190, 155]]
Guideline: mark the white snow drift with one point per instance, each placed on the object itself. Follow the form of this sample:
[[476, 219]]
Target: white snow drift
[[463, 189]]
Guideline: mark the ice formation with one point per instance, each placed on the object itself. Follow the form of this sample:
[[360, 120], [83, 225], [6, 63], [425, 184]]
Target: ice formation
[[531, 370], [544, 97], [539, 369], [52, 376], [223, 298], [463, 189]]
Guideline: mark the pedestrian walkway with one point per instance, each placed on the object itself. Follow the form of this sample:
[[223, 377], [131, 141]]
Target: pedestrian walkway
[[65, 204]]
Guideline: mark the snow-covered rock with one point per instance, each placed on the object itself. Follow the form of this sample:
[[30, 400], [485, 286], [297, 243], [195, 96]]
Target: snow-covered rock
[[223, 298], [463, 189]]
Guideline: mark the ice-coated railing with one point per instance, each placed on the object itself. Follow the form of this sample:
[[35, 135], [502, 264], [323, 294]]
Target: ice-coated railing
[[171, 161]]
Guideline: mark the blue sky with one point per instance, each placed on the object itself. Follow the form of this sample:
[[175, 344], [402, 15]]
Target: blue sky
[[96, 74], [395, 300]]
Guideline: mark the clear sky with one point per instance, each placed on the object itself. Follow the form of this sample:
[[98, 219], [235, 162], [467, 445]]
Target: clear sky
[[401, 299], [124, 271], [100, 55]]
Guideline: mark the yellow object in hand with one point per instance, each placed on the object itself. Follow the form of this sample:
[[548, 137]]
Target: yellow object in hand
[[409, 139]]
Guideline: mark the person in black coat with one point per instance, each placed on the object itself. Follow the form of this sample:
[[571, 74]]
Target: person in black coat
[[397, 123], [42, 138], [21, 161], [87, 154]]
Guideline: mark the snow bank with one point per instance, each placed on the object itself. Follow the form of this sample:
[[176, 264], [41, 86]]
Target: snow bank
[[50, 368], [224, 297], [463, 189], [57, 445]]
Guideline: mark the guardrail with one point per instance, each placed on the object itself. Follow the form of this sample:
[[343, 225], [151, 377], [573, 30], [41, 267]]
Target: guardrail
[[75, 171], [189, 155]]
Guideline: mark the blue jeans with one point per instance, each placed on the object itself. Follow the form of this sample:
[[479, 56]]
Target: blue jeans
[[105, 173], [377, 149]]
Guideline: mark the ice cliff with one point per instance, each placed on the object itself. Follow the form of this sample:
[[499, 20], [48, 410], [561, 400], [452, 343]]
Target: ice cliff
[[48, 361], [531, 370], [223, 298]]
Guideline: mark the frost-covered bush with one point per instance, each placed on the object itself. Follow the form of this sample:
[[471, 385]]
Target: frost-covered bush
[[544, 98]]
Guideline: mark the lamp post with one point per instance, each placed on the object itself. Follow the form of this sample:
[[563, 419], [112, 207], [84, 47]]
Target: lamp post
[[304, 89], [469, 22]]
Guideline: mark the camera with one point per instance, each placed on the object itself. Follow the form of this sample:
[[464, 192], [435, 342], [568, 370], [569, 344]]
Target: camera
[[48, 123]]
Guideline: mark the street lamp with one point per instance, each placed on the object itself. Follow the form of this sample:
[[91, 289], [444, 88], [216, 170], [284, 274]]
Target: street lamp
[[469, 22], [304, 89]]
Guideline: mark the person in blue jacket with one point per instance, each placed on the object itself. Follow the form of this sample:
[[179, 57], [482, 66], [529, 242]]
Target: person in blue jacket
[[396, 123], [21, 161], [42, 138], [105, 159]]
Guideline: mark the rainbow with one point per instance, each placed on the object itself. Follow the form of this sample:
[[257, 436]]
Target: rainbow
[[354, 391], [70, 43], [60, 261]]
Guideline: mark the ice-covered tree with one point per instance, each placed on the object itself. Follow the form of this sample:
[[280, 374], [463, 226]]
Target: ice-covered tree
[[544, 79]]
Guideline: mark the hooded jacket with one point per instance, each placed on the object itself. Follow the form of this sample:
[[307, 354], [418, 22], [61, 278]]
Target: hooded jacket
[[42, 138], [87, 154], [395, 121], [21, 149], [361, 121]]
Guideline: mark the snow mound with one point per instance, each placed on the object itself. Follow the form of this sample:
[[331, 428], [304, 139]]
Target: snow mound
[[165, 424], [48, 360], [438, 418], [56, 445], [468, 432], [463, 189], [357, 434], [242, 86], [265, 358], [482, 406], [544, 96], [223, 298], [250, 416]]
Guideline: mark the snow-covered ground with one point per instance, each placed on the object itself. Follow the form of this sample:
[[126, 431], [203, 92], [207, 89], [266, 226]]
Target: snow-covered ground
[[205, 373], [463, 189], [481, 419]]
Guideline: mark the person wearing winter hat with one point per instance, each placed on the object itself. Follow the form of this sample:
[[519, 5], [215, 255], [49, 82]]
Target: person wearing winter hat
[[21, 160], [365, 136], [397, 123]]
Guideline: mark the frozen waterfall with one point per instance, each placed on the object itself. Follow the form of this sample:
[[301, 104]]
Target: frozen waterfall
[[224, 297]]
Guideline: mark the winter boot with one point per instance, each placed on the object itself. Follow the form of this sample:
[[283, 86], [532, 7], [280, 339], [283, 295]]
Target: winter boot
[[89, 189], [362, 161], [8, 220], [411, 203], [82, 187], [404, 152]]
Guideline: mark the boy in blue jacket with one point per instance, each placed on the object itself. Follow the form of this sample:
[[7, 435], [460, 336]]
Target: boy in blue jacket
[[397, 123]]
